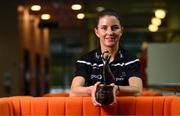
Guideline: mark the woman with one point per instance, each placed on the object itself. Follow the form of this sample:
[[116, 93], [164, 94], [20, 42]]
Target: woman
[[88, 74]]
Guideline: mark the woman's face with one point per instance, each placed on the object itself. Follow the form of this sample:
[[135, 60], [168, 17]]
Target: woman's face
[[109, 31]]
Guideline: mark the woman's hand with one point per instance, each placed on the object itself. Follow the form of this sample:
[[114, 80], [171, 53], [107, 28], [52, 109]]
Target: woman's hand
[[93, 92], [115, 92]]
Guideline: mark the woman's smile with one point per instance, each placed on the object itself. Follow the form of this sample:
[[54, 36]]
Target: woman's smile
[[109, 31]]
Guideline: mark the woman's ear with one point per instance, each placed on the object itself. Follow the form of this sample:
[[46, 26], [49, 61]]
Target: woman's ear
[[122, 29], [96, 31]]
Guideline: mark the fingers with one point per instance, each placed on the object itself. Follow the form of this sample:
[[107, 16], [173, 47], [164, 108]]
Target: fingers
[[114, 102], [96, 84], [94, 88], [95, 103], [112, 84], [114, 87], [114, 92]]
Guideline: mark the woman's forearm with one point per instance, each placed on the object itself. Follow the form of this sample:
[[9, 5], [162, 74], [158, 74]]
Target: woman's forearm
[[130, 90], [134, 88], [78, 88], [81, 91]]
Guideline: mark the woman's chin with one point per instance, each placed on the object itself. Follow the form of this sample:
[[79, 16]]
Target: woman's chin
[[110, 44]]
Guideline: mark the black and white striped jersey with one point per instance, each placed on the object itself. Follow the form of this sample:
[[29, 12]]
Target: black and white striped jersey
[[90, 66]]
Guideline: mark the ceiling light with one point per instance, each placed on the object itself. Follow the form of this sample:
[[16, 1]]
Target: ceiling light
[[35, 7], [160, 13], [156, 21], [45, 16], [152, 28], [100, 8], [76, 7], [20, 8], [80, 16]]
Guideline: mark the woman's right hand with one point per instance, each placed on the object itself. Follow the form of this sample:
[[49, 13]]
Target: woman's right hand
[[93, 92]]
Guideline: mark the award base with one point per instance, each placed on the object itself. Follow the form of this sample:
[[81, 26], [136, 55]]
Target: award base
[[104, 94]]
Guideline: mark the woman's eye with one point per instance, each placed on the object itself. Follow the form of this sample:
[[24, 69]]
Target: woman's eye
[[114, 28], [103, 28]]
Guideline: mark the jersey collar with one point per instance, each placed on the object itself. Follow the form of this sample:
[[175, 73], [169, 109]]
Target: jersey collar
[[118, 56]]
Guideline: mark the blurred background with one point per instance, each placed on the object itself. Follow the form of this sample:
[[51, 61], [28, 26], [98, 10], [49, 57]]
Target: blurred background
[[41, 39]]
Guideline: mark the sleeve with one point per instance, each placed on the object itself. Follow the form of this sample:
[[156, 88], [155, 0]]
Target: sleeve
[[133, 68], [82, 69]]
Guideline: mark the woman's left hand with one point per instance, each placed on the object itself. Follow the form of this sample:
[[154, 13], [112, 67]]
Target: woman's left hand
[[115, 89]]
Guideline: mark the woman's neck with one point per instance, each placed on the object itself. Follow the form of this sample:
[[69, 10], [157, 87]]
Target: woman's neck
[[112, 51]]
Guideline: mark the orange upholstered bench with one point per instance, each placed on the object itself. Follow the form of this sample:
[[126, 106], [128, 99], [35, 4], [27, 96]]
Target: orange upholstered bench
[[127, 105], [146, 92], [60, 94]]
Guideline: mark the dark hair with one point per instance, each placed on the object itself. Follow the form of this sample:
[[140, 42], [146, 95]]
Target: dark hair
[[109, 12]]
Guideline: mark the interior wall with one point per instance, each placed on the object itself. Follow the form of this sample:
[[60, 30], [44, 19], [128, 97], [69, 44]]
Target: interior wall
[[174, 23], [9, 49], [163, 64]]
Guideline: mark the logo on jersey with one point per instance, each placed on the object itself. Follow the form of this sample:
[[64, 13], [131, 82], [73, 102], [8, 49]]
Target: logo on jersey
[[122, 77], [96, 77]]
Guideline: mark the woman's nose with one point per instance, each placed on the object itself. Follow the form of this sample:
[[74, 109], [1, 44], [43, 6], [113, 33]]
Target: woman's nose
[[109, 31]]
